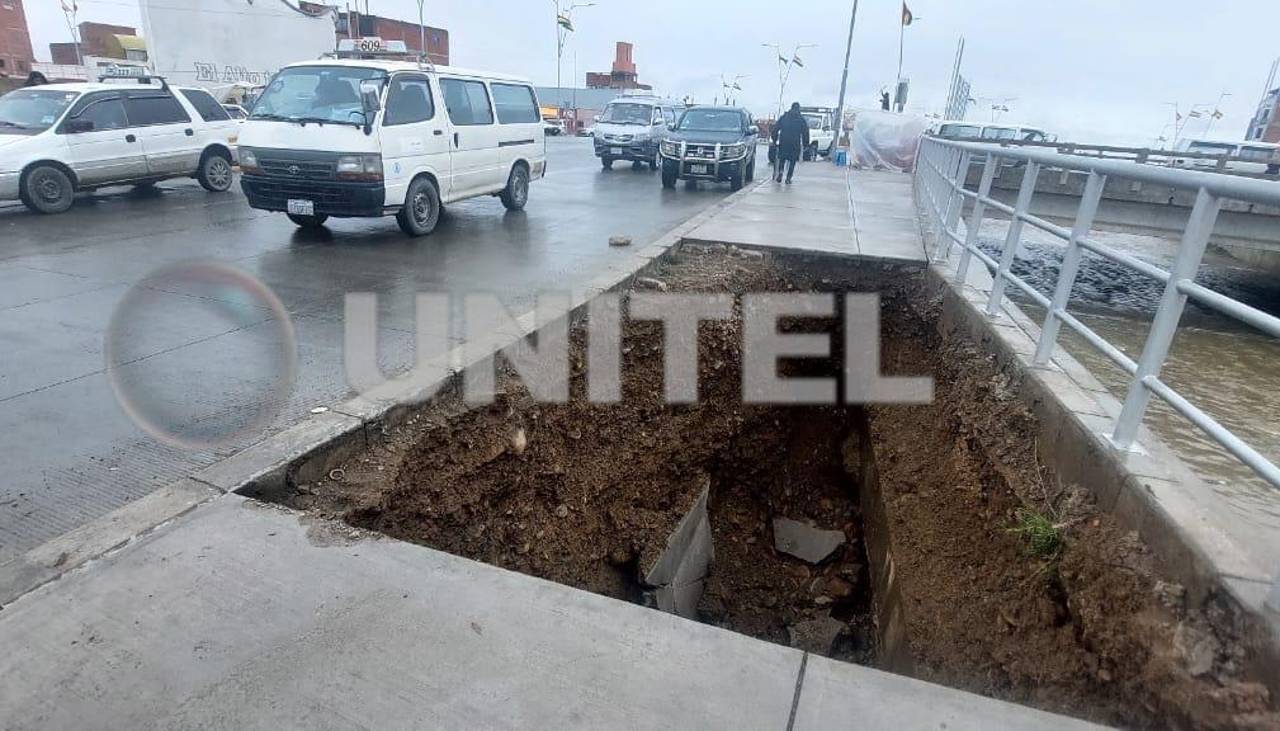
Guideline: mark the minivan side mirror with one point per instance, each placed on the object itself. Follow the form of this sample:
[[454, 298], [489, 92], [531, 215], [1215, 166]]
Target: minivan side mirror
[[370, 102], [77, 126], [597, 117]]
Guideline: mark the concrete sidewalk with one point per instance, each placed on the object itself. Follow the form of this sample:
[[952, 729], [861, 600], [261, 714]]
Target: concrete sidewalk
[[242, 615], [827, 209]]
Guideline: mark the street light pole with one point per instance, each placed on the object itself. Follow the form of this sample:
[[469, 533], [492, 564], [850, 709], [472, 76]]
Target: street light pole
[[422, 29], [844, 77]]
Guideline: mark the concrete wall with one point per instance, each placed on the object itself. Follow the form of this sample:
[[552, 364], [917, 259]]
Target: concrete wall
[[1247, 231]]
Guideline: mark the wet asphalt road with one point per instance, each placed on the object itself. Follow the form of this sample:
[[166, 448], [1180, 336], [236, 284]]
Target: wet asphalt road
[[200, 352]]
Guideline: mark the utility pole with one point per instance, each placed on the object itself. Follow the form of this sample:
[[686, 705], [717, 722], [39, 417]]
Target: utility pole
[[564, 26], [784, 67], [844, 77], [422, 29]]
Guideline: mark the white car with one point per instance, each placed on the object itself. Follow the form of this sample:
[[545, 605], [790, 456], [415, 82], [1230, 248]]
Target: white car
[[58, 139], [365, 137]]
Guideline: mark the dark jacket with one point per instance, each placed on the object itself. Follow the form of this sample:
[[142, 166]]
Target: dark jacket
[[791, 133]]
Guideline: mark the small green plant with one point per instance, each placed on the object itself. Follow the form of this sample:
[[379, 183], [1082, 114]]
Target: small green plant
[[1042, 536]]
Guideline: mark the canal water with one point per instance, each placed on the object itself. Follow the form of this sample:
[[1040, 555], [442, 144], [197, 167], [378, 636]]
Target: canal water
[[1227, 369]]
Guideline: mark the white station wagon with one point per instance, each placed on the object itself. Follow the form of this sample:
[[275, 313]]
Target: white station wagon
[[58, 139]]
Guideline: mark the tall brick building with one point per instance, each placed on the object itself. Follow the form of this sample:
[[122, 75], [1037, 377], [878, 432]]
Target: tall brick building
[[15, 40], [1265, 125]]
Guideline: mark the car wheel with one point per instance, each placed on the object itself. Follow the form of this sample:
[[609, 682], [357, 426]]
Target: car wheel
[[215, 173], [670, 173], [421, 209], [46, 189], [315, 221], [606, 162], [516, 194]]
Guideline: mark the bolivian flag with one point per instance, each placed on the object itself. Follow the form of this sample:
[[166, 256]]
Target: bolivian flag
[[567, 24], [907, 17]]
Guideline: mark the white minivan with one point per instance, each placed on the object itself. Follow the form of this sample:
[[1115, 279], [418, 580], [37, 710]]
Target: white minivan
[[346, 137]]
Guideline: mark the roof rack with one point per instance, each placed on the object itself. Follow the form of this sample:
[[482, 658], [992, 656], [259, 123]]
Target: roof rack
[[131, 73]]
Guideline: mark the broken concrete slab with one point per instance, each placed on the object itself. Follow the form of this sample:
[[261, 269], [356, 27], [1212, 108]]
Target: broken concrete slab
[[816, 635], [804, 541], [677, 573]]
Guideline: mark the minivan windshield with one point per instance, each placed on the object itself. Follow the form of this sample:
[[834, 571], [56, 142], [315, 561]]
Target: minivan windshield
[[316, 94], [711, 120], [627, 113], [32, 111], [960, 131]]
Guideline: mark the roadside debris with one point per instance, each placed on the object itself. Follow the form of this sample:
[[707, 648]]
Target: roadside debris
[[816, 635], [619, 240], [804, 541]]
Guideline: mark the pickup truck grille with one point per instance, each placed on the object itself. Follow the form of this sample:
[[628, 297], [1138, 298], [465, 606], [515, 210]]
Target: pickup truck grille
[[700, 152]]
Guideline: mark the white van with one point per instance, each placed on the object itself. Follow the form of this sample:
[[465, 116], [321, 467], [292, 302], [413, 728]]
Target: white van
[[60, 139], [373, 137], [980, 132], [1249, 157]]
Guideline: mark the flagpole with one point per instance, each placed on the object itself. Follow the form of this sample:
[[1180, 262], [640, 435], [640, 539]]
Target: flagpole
[[902, 34]]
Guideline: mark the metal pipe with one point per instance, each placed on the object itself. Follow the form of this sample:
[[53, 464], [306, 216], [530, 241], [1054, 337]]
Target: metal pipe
[[975, 220], [844, 78], [1011, 241], [1263, 321], [1165, 324], [1233, 444], [1115, 354], [1151, 270], [1070, 266]]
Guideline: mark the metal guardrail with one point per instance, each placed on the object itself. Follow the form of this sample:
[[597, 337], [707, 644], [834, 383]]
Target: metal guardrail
[[1217, 162], [942, 167]]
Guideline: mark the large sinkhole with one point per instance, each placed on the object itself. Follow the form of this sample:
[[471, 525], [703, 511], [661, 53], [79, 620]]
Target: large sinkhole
[[893, 535]]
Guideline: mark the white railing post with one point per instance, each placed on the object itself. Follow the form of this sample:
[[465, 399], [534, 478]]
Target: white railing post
[[955, 203], [974, 225], [1025, 193], [1165, 324], [1070, 266]]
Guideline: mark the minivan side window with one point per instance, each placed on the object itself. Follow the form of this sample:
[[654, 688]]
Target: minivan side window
[[515, 103], [409, 100], [206, 106], [105, 111], [467, 102], [154, 109]]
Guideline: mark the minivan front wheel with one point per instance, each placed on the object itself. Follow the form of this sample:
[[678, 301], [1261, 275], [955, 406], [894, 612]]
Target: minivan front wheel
[[47, 189], [516, 194], [421, 209]]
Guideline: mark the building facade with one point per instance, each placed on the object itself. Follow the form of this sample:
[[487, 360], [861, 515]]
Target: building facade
[[359, 25], [101, 40], [623, 75], [15, 40], [1265, 125]]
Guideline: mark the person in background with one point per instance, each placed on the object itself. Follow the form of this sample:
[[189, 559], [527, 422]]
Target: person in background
[[791, 135]]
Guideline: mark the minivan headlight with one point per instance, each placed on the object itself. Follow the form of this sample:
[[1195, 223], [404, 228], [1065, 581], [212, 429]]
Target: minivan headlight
[[248, 161], [360, 167]]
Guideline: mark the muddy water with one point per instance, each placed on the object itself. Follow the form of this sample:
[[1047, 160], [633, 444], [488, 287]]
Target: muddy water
[[1227, 369]]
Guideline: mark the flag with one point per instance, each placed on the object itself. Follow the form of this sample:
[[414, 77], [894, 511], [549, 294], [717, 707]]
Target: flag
[[1217, 114], [1194, 115], [797, 62], [781, 58], [564, 22], [69, 8], [736, 87], [907, 17]]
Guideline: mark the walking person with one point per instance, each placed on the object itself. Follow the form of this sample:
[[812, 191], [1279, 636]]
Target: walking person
[[791, 135]]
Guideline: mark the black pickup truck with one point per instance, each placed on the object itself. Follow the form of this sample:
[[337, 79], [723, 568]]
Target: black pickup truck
[[717, 144]]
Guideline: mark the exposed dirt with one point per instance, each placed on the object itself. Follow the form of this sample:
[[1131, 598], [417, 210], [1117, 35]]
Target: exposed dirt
[[1088, 630], [583, 493]]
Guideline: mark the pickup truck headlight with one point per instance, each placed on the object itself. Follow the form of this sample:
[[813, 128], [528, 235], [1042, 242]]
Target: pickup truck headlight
[[248, 161], [360, 167], [670, 149], [729, 152]]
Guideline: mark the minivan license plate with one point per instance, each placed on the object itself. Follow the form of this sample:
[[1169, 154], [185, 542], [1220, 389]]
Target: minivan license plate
[[699, 169], [301, 208]]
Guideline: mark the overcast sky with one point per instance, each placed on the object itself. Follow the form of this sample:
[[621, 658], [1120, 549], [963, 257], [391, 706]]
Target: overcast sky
[[1089, 70]]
